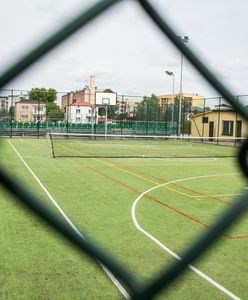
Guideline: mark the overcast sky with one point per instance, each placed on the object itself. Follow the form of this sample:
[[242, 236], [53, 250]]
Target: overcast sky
[[124, 49]]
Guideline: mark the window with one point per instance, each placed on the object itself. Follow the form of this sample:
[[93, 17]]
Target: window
[[24, 117], [227, 127], [37, 108], [204, 119], [25, 108]]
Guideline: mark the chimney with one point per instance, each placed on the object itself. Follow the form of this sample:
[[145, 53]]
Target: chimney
[[92, 87]]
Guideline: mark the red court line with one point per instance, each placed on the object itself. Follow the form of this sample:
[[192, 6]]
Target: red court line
[[239, 237], [155, 200], [205, 225], [163, 180], [174, 184], [151, 198]]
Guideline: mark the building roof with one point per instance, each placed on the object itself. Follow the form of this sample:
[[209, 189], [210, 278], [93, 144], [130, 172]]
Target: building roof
[[81, 103], [195, 96], [213, 111], [26, 101]]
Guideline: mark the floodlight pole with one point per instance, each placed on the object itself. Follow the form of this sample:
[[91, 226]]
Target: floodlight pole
[[38, 118], [106, 120], [92, 119], [67, 114], [185, 39], [173, 92]]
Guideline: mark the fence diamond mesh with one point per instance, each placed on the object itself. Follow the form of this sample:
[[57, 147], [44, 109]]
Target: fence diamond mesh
[[137, 289]]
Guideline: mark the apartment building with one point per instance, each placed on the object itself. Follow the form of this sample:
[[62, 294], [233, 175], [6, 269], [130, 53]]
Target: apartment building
[[79, 113], [87, 94], [194, 99], [14, 98], [3, 103], [30, 111], [128, 105]]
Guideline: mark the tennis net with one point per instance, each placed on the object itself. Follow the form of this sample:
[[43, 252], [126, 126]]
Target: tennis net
[[141, 146]]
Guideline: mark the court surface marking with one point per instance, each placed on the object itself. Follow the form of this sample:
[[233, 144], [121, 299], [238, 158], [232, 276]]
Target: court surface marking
[[71, 224], [210, 280]]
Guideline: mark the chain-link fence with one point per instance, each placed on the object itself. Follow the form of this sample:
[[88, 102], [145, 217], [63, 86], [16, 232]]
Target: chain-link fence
[[20, 116], [137, 289]]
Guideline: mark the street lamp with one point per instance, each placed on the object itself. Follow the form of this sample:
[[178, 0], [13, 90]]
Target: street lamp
[[184, 39], [173, 86]]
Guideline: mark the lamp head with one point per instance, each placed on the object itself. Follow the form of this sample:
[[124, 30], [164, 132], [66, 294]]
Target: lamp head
[[186, 39], [169, 73]]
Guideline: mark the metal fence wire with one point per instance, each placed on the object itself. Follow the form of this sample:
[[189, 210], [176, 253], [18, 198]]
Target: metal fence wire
[[136, 288], [123, 119]]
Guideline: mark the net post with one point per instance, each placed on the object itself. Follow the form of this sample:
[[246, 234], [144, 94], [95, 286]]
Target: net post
[[53, 153], [46, 154], [46, 136]]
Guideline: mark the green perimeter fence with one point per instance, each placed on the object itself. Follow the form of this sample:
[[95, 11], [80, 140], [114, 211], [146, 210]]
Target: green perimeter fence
[[136, 288], [139, 119], [25, 129], [150, 119]]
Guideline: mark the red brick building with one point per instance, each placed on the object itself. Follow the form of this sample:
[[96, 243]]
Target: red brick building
[[85, 95]]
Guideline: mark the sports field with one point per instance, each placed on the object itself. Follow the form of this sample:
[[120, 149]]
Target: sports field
[[144, 210]]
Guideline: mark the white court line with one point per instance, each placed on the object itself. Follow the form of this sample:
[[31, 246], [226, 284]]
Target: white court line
[[107, 271], [210, 280]]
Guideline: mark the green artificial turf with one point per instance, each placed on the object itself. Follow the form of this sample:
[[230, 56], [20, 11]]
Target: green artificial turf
[[98, 194]]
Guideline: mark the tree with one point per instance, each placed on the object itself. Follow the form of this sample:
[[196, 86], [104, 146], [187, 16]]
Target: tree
[[12, 111], [53, 112], [111, 111], [108, 90], [101, 111], [47, 96], [43, 95], [148, 109], [122, 116]]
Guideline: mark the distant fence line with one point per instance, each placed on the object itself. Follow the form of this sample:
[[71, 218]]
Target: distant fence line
[[119, 127], [143, 119]]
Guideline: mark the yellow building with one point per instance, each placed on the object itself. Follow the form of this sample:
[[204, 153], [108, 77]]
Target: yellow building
[[222, 121], [128, 105], [194, 99]]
